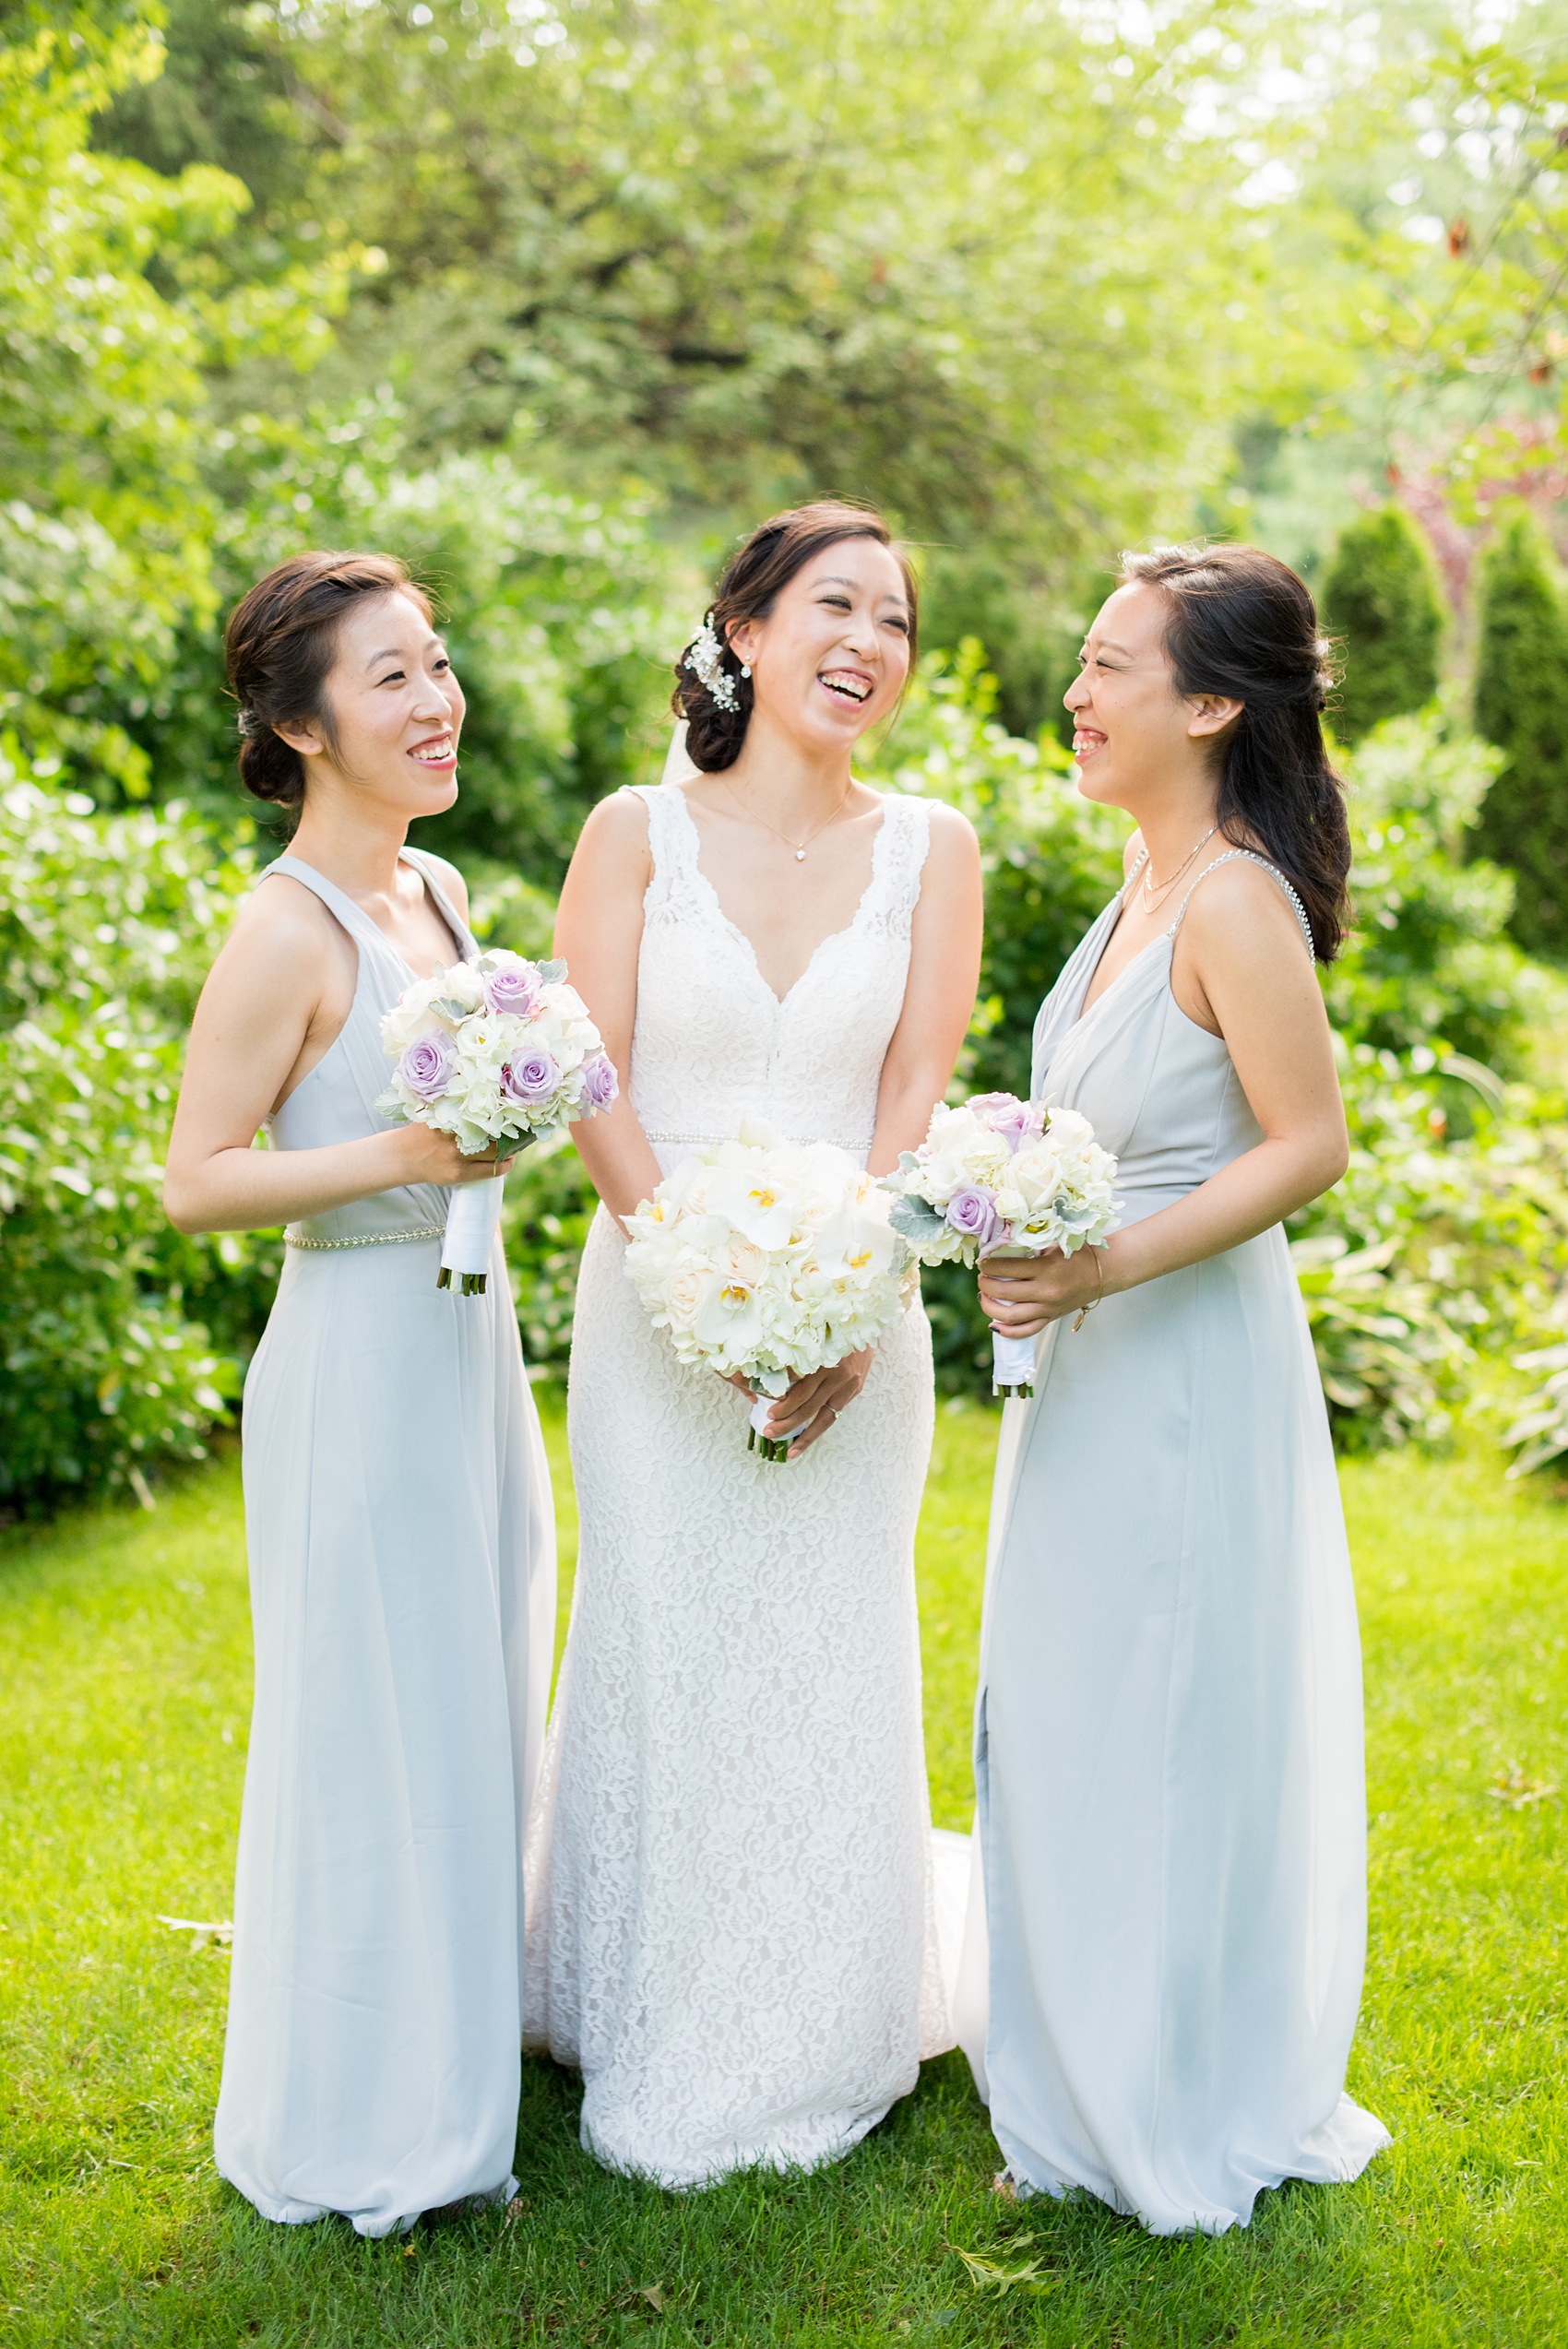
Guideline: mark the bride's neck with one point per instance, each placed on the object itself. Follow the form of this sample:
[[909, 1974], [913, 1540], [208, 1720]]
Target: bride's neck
[[793, 782]]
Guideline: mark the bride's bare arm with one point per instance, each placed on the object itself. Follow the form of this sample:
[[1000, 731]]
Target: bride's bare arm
[[272, 1005], [939, 997], [599, 929]]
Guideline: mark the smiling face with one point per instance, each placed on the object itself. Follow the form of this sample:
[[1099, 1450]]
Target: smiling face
[[832, 656], [397, 711], [1132, 732]]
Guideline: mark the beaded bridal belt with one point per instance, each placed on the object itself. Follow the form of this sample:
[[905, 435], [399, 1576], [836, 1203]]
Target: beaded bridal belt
[[370, 1238]]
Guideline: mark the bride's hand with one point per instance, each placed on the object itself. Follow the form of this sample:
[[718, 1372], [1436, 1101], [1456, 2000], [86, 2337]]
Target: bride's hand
[[812, 1404]]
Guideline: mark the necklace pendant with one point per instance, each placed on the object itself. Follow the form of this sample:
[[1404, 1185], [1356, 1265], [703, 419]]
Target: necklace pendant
[[800, 856]]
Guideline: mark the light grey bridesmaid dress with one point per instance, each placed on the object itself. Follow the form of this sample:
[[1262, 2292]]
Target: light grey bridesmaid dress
[[402, 1571], [1169, 1727]]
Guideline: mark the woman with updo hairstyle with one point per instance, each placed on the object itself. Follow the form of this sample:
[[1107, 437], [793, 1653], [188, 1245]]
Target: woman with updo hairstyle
[[1168, 1742], [731, 1919], [398, 1503]]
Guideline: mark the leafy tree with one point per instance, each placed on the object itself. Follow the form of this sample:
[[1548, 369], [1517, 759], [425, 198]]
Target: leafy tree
[[1522, 705], [881, 249], [1381, 597], [112, 302]]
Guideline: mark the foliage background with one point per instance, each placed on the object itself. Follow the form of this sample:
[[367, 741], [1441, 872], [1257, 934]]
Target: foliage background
[[553, 300]]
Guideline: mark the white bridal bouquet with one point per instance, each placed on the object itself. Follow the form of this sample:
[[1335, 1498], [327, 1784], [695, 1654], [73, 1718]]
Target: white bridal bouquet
[[497, 1050], [1000, 1177], [769, 1259]]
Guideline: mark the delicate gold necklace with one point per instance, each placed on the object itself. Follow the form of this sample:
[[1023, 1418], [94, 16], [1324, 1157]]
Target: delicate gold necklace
[[1160, 890], [797, 848]]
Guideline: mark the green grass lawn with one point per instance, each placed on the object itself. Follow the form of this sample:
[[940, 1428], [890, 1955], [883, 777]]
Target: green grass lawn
[[125, 1643]]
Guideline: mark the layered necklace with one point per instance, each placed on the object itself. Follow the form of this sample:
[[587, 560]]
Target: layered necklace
[[1154, 893], [796, 847]]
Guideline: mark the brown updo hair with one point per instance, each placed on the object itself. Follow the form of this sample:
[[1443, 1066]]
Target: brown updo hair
[[748, 589], [1242, 624], [279, 646]]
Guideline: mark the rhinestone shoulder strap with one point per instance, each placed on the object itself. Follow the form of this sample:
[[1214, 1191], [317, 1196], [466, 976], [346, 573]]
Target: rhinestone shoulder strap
[[1248, 857]]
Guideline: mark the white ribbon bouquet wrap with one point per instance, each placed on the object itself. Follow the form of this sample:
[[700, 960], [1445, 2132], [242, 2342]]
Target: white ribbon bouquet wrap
[[1000, 1177], [770, 1260], [494, 1053]]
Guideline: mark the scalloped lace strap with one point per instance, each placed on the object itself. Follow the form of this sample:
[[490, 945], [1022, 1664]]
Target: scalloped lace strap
[[1247, 856], [671, 840], [899, 858]]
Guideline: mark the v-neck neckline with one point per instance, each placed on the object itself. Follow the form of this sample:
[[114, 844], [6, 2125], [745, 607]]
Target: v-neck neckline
[[1116, 909], [740, 936], [436, 898]]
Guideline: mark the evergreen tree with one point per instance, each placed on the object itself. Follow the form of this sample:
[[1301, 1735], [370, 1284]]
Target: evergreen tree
[[1522, 705], [1381, 599]]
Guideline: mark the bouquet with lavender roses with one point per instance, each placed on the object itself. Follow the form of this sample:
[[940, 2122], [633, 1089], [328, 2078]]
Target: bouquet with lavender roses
[[1000, 1177], [497, 1050]]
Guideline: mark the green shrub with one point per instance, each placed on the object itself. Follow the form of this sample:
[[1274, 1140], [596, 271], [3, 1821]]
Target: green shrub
[[1430, 961], [123, 1340], [1050, 857], [1522, 705], [1381, 598], [1434, 1256], [550, 1204]]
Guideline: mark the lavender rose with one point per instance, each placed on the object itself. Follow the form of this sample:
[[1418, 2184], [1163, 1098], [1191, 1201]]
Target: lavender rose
[[426, 1066], [970, 1211], [530, 1079], [1014, 1121], [513, 988], [601, 1084]]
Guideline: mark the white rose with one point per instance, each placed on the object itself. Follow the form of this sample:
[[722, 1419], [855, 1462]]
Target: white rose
[[463, 984], [683, 1296]]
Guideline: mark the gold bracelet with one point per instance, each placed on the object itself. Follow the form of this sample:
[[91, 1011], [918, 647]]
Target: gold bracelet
[[1085, 1310]]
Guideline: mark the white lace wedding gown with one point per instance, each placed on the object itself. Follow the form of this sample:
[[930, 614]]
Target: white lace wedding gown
[[730, 1918]]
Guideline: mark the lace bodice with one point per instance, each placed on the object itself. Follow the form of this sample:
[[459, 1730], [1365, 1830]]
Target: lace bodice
[[712, 1042]]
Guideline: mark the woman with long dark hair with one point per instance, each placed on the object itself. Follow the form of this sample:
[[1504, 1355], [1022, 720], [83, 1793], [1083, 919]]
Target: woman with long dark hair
[[1168, 1725], [730, 1919], [402, 1559]]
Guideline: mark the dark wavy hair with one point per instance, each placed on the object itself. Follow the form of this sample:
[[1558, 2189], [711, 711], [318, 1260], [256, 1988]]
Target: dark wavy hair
[[279, 646], [748, 589], [1242, 625]]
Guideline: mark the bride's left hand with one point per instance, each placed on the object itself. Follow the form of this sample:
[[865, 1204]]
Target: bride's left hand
[[816, 1401], [1023, 1295]]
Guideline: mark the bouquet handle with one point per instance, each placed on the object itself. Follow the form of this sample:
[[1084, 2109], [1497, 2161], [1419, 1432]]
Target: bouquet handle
[[472, 1221], [1012, 1365], [1012, 1358], [770, 1447]]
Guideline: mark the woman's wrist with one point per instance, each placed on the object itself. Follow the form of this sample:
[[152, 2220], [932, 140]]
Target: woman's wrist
[[1118, 1266]]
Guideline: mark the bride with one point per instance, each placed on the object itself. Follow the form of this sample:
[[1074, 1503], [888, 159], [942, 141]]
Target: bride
[[731, 1910]]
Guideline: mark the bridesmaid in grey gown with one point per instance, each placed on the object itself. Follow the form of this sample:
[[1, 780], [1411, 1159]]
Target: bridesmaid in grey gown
[[1169, 1727], [397, 1498]]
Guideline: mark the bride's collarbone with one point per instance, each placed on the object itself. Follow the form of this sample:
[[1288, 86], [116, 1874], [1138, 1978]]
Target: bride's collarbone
[[786, 906]]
